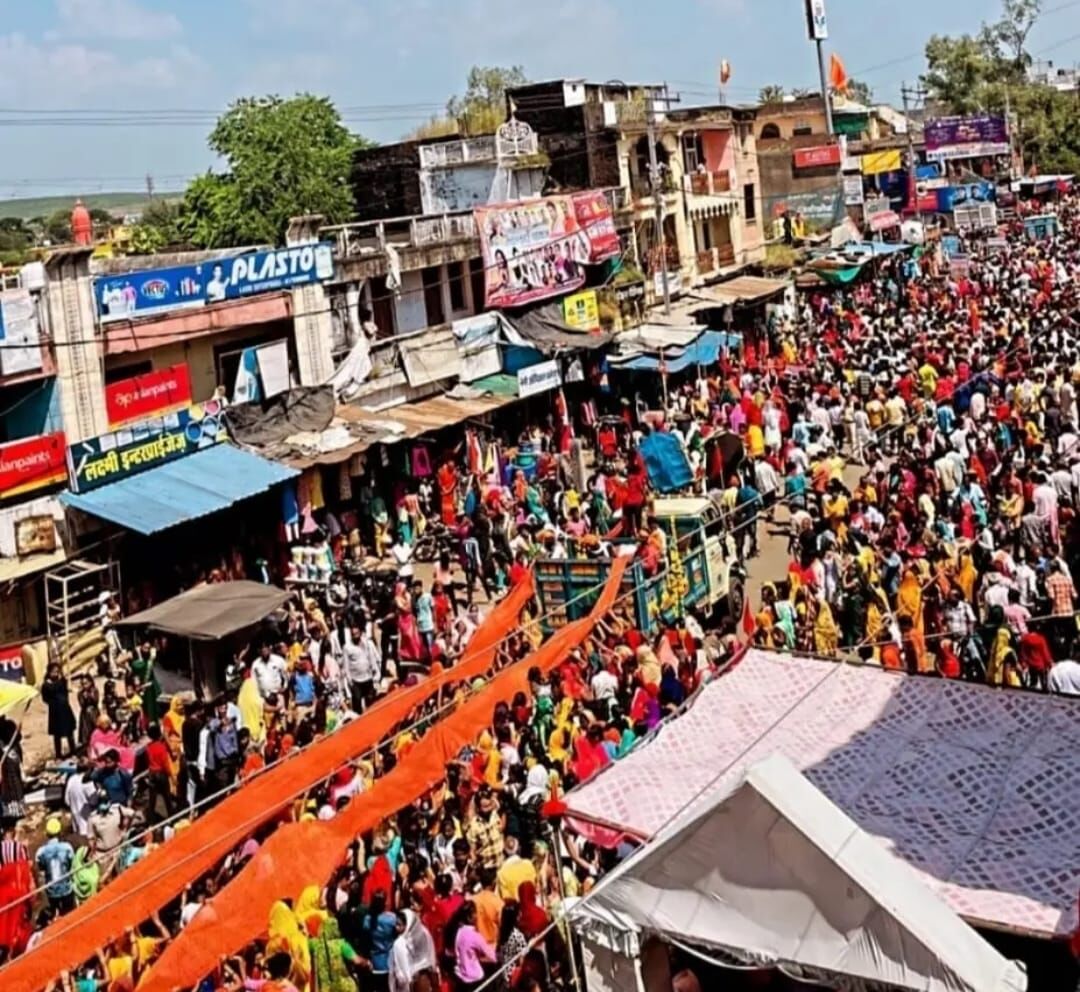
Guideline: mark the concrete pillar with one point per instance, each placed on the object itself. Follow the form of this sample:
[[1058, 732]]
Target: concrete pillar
[[78, 345], [312, 327]]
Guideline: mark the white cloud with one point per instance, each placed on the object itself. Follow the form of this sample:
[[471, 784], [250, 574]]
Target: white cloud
[[55, 71], [330, 19], [115, 20]]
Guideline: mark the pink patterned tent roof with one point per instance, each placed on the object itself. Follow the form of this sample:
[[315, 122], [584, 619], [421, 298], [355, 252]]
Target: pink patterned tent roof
[[977, 789]]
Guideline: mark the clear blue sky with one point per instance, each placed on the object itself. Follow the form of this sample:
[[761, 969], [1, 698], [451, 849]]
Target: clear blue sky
[[150, 55]]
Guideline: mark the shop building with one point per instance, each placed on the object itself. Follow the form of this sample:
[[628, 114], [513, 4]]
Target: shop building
[[597, 134]]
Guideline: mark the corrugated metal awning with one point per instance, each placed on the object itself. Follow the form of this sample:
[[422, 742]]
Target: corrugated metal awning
[[203, 483], [427, 415], [744, 289]]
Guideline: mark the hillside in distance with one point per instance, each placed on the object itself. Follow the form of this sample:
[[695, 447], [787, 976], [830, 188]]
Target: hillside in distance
[[41, 206]]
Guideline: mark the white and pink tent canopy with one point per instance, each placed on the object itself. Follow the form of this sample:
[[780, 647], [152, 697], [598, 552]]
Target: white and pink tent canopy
[[773, 873], [976, 789]]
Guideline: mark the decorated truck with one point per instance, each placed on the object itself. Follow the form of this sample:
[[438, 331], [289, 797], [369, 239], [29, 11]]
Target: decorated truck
[[702, 573]]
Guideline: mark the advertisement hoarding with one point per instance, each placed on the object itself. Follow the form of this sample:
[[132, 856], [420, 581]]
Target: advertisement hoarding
[[536, 249], [875, 163], [966, 137], [31, 463], [154, 291], [817, 24], [19, 332], [581, 311], [148, 395], [101, 460]]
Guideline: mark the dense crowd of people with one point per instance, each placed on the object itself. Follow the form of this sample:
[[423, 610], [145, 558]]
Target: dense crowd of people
[[916, 433]]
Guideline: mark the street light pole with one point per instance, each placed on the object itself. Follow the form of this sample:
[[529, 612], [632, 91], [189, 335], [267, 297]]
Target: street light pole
[[824, 86]]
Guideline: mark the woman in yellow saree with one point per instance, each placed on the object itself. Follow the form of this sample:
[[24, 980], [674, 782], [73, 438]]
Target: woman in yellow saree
[[966, 576], [909, 599], [286, 936], [826, 633]]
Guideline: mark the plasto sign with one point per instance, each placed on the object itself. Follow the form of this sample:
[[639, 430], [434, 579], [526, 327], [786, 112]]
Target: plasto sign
[[131, 295]]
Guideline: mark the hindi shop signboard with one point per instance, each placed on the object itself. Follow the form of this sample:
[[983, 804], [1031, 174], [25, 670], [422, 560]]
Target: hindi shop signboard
[[111, 457], [148, 395], [966, 137], [536, 249], [538, 378], [820, 156], [31, 463], [132, 295]]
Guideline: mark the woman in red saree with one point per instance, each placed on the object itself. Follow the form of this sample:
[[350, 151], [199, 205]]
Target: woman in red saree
[[448, 483], [16, 883]]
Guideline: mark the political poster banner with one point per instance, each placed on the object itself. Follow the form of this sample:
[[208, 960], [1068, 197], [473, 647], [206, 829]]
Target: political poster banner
[[536, 249]]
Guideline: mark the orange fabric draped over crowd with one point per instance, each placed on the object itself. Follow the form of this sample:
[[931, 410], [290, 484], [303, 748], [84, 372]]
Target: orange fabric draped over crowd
[[300, 854], [151, 882]]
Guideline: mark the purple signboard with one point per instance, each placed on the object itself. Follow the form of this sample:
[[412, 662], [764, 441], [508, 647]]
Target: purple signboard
[[979, 131]]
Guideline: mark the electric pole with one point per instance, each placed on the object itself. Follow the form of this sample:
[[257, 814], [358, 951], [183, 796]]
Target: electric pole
[[149, 186], [918, 94], [657, 185]]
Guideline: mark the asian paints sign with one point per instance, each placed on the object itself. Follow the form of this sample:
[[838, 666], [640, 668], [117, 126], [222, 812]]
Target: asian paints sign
[[131, 295]]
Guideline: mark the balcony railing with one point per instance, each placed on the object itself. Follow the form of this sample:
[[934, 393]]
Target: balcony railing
[[714, 259], [708, 183], [725, 255], [368, 237], [480, 149]]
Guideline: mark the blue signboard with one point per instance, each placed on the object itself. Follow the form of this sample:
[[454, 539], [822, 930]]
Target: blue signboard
[[153, 291], [951, 197]]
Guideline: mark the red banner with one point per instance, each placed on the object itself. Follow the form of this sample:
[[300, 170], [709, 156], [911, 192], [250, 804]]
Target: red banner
[[32, 463], [817, 157], [11, 664], [148, 395]]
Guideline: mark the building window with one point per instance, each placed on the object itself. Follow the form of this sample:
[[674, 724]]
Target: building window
[[455, 276], [770, 131], [693, 152], [749, 202], [802, 128]]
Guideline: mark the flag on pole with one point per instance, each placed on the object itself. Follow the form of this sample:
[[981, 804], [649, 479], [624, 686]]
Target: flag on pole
[[747, 624], [838, 77], [725, 72]]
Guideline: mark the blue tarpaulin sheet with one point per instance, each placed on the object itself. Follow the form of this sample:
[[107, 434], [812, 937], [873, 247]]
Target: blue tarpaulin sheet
[[188, 488], [666, 463], [703, 351]]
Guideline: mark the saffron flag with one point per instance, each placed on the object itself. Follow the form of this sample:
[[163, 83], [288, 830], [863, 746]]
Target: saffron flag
[[838, 77]]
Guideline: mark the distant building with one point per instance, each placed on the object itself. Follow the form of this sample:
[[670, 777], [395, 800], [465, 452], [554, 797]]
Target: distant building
[[1064, 79]]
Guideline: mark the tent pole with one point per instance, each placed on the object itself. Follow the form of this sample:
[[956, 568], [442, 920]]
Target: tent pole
[[556, 842]]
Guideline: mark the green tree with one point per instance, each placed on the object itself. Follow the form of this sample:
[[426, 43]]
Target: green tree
[[14, 234], [860, 92], [482, 108], [158, 228], [285, 157], [57, 227], [988, 72], [1007, 39], [772, 93]]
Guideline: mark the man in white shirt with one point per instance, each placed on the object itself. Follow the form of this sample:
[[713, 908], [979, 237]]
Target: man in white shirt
[[80, 796], [362, 664], [605, 686], [270, 672]]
